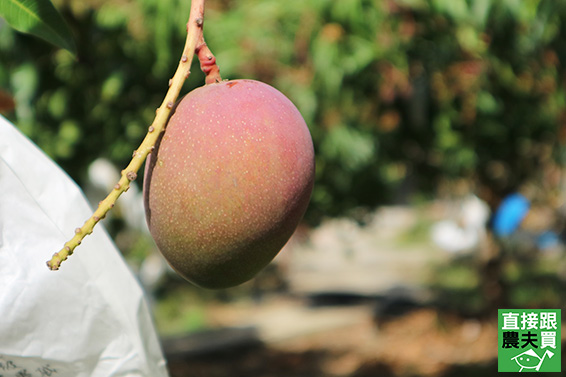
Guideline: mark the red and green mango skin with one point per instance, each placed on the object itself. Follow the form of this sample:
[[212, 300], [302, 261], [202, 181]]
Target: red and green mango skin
[[228, 182]]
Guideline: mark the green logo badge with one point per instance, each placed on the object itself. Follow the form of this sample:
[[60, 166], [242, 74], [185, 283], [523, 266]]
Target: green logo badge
[[529, 340]]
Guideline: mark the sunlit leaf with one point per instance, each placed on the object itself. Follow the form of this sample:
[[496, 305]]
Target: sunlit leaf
[[39, 18]]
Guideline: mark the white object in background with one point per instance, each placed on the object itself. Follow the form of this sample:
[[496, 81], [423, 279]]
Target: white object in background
[[468, 232], [90, 319]]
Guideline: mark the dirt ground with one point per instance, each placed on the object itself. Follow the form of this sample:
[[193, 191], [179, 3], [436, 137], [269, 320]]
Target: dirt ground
[[330, 322], [420, 343]]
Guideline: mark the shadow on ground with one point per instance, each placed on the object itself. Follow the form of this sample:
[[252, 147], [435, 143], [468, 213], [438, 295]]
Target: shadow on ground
[[260, 361]]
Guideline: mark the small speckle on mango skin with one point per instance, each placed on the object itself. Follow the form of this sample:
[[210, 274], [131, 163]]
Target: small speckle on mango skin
[[228, 182]]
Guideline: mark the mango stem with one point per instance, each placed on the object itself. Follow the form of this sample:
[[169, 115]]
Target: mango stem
[[193, 41]]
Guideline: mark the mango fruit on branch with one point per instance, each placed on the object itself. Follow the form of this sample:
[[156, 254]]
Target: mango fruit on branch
[[228, 182], [229, 174]]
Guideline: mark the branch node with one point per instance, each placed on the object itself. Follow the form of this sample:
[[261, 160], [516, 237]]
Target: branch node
[[131, 175]]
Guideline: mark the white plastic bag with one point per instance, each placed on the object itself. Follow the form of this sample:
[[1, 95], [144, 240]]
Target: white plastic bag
[[90, 318]]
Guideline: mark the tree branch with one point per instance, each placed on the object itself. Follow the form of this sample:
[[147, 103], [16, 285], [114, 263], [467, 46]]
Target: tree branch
[[193, 44]]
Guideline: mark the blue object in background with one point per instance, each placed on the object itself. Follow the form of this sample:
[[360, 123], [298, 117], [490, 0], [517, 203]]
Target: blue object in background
[[548, 240], [509, 215]]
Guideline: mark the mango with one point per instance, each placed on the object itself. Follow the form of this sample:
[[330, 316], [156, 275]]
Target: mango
[[228, 181]]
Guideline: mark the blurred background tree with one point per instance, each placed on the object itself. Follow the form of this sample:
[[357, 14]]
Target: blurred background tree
[[405, 100], [400, 95]]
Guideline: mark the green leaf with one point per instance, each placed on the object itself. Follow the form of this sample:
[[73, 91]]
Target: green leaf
[[40, 18]]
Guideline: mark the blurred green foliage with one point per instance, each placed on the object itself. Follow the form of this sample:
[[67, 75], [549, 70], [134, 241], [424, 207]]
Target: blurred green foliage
[[399, 94]]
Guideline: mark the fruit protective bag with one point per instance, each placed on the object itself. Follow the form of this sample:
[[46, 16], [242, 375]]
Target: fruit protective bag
[[88, 319]]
